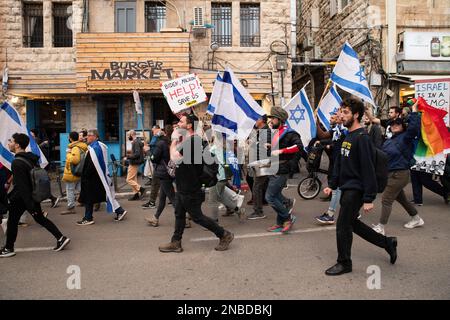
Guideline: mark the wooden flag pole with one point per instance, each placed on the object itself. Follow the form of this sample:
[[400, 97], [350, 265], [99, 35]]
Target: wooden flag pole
[[323, 95]]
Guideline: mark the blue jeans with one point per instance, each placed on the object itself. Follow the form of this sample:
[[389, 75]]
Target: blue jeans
[[336, 196], [71, 187], [275, 198]]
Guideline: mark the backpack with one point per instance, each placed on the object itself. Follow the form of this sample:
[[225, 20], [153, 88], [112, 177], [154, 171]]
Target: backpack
[[208, 177], [40, 182], [77, 170], [380, 163]]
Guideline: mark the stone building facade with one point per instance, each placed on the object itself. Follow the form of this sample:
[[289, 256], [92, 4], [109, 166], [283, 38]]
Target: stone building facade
[[48, 81], [325, 25]]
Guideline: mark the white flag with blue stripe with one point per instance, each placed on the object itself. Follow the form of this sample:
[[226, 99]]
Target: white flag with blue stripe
[[11, 122], [328, 106], [234, 110], [301, 117], [349, 75]]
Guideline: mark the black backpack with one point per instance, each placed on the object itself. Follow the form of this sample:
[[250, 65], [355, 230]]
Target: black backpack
[[208, 177], [77, 170], [380, 163], [40, 182]]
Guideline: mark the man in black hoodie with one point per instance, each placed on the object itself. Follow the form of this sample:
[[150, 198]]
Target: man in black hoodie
[[354, 173], [21, 197]]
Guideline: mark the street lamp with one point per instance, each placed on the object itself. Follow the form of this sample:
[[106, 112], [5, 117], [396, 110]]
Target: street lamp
[[214, 47]]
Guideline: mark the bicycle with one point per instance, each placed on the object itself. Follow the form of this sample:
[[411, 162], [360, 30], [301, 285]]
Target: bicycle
[[115, 165], [309, 187], [55, 172]]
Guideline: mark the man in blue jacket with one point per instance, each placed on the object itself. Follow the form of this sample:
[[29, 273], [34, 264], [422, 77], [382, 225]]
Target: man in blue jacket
[[400, 151]]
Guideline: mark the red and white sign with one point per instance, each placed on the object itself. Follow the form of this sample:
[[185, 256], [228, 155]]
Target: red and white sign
[[184, 92], [436, 93]]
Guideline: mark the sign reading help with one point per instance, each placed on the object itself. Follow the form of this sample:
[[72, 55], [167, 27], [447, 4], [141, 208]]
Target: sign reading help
[[184, 92]]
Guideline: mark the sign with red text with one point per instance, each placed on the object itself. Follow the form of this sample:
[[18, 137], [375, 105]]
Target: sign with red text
[[183, 93]]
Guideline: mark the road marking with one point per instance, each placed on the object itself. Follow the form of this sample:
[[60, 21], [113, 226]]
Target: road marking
[[33, 249], [267, 234]]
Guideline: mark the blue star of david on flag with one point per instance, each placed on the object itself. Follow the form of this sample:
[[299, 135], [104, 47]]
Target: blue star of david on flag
[[360, 74], [293, 114], [334, 111]]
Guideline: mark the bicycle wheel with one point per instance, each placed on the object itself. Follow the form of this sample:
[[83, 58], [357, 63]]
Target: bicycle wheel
[[309, 188]]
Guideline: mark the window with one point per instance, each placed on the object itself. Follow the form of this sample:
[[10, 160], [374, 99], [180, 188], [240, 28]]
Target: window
[[221, 20], [126, 16], [62, 24], [250, 32], [33, 25], [155, 16], [109, 118]]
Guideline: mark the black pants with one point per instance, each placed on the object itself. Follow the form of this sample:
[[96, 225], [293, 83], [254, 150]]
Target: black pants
[[348, 222], [250, 182], [423, 179], [192, 203], [259, 191], [154, 189], [16, 211], [166, 190]]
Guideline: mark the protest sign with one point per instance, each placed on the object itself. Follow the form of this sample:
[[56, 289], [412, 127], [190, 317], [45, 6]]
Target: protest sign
[[183, 93], [436, 93]]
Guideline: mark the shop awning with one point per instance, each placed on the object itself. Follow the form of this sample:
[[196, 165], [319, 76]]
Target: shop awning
[[411, 78]]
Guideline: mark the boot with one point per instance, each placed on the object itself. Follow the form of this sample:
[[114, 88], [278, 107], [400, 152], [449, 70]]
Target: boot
[[153, 221], [174, 246], [225, 241]]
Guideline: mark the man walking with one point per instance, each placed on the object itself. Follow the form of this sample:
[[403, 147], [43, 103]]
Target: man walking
[[354, 174], [135, 159], [76, 150], [21, 197], [186, 151]]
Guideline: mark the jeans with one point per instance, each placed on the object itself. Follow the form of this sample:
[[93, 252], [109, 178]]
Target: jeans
[[154, 189], [348, 222], [259, 190], [221, 193], [71, 187], [275, 197], [166, 190], [192, 203], [335, 197], [397, 180], [423, 179], [16, 211]]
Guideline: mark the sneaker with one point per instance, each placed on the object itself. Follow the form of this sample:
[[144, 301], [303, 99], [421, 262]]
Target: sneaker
[[6, 253], [275, 228], [416, 203], [288, 224], [55, 202], [174, 246], [85, 222], [225, 241], [325, 219], [149, 205], [120, 216], [256, 216], [391, 248], [61, 243], [240, 201], [415, 221], [135, 197], [379, 228], [290, 205], [45, 214], [142, 192], [68, 211], [153, 221]]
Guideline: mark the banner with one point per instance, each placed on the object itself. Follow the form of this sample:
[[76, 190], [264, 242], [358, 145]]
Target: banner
[[183, 93]]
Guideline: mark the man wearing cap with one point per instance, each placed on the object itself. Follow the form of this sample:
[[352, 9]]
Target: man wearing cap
[[285, 144]]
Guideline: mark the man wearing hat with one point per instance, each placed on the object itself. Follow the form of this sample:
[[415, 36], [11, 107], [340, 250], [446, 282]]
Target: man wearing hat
[[285, 144]]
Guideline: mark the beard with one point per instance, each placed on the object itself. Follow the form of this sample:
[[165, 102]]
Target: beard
[[276, 126], [349, 123]]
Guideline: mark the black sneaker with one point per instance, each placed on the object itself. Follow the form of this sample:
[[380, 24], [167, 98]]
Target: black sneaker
[[120, 216], [256, 216], [149, 205], [391, 248], [85, 222], [61, 243], [6, 253], [134, 197]]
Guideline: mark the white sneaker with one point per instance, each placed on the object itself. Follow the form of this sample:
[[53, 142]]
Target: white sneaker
[[416, 221], [378, 228], [240, 201]]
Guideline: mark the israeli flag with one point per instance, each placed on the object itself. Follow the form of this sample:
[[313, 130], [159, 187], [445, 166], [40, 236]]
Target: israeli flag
[[301, 117], [328, 106], [349, 75], [11, 123], [234, 110]]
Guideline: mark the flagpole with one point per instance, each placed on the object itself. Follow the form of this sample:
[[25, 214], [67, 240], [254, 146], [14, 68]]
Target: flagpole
[[323, 95]]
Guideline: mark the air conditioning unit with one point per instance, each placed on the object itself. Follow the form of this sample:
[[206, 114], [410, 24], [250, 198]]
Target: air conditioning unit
[[199, 21], [308, 43]]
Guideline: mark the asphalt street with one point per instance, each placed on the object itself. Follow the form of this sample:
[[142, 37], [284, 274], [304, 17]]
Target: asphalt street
[[120, 260]]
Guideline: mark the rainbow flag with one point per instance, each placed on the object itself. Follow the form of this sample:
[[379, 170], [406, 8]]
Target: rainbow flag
[[435, 137]]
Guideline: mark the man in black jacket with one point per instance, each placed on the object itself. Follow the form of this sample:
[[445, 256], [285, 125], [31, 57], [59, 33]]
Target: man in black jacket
[[285, 144], [135, 158], [21, 196], [354, 173]]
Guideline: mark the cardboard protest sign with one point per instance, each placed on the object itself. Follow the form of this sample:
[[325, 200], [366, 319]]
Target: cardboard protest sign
[[436, 93], [184, 92]]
